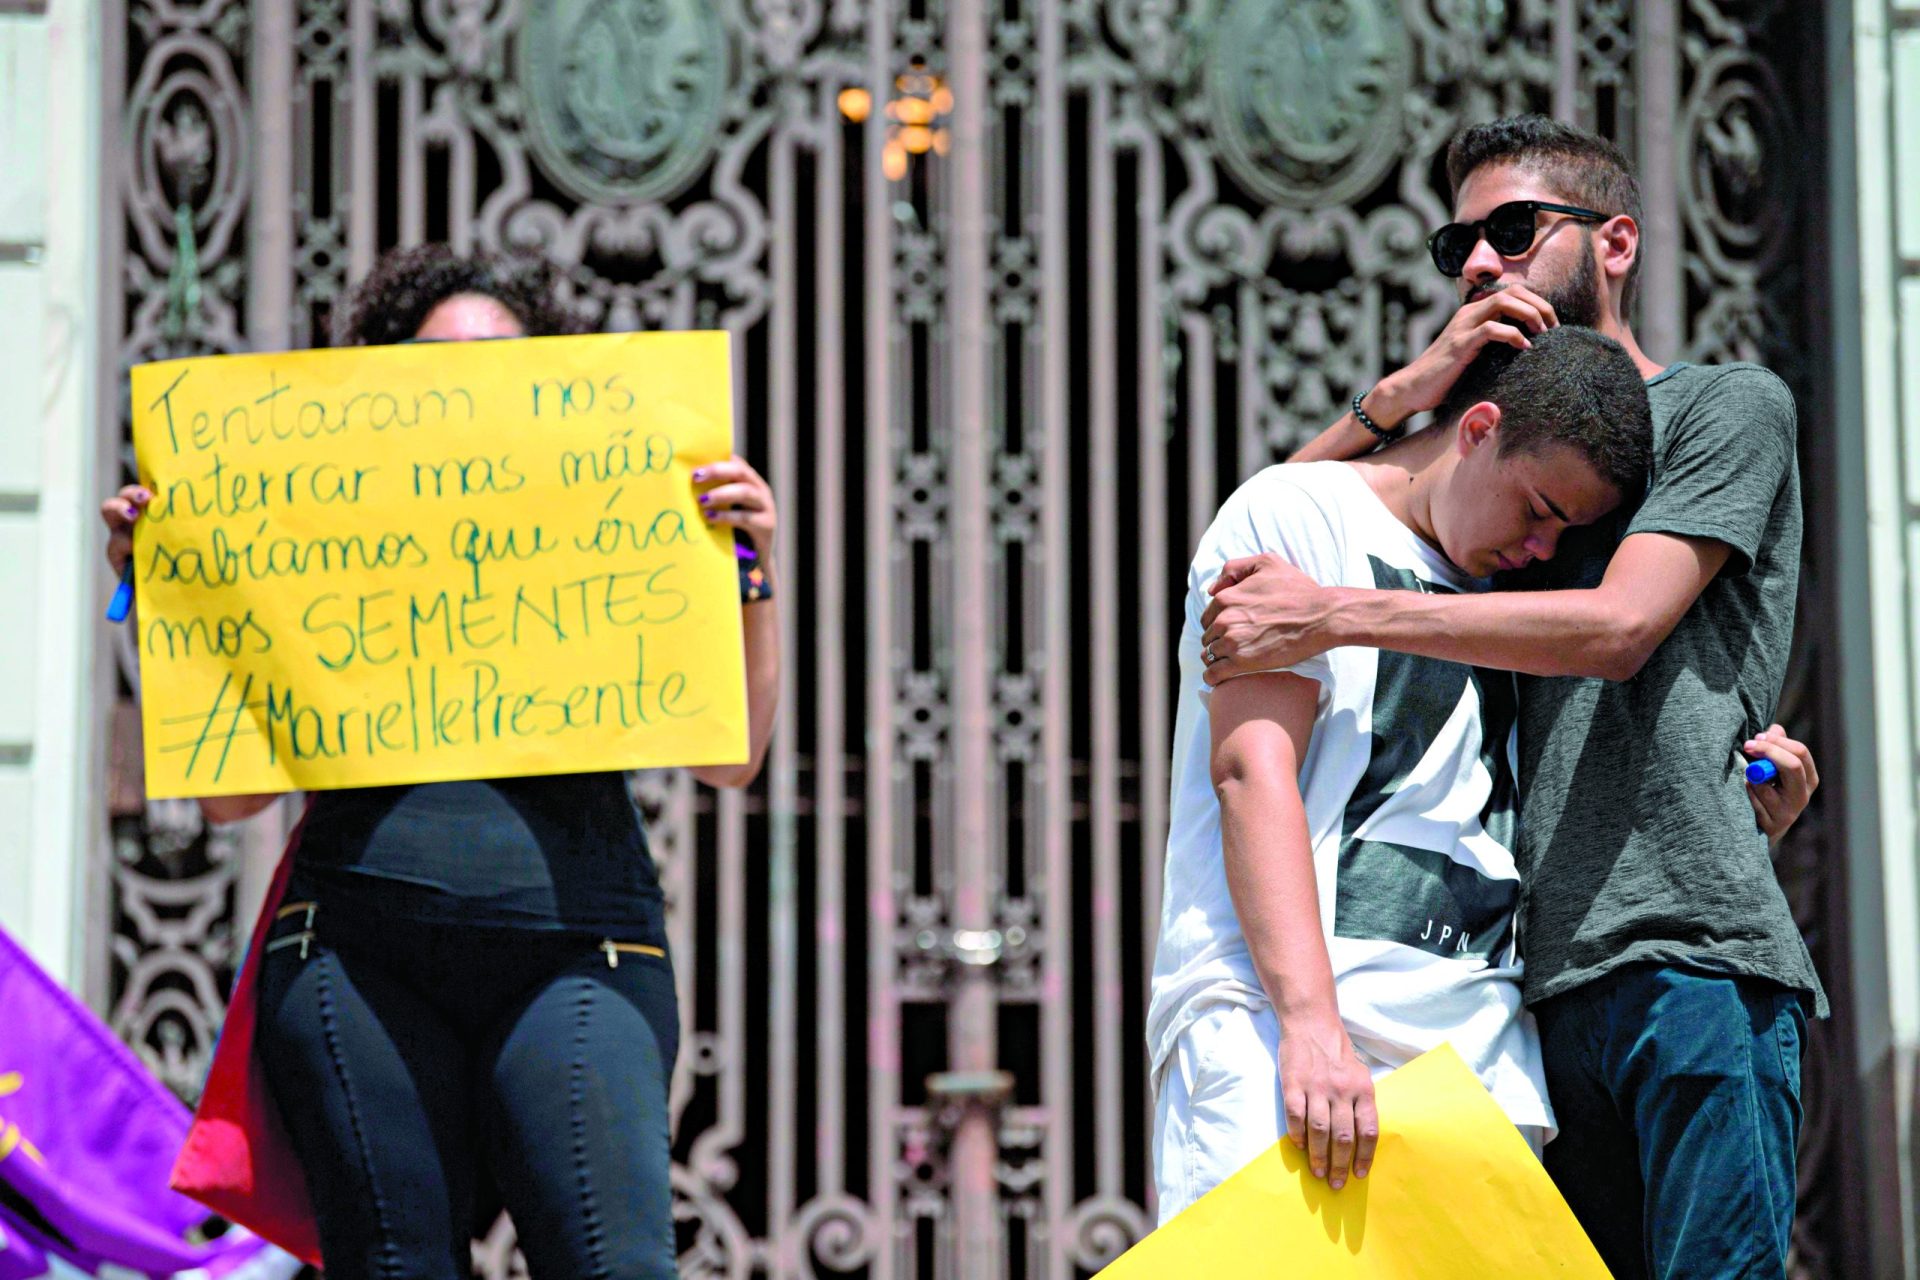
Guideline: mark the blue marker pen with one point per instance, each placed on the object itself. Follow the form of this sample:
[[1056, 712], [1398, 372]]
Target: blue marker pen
[[1761, 772], [122, 602]]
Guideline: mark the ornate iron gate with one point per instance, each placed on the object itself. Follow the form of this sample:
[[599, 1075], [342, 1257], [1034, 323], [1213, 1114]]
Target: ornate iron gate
[[1021, 288]]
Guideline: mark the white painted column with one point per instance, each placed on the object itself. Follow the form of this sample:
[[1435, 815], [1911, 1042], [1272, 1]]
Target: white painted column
[[1874, 82], [52, 584]]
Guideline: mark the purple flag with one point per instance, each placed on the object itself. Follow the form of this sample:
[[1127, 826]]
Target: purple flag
[[87, 1139]]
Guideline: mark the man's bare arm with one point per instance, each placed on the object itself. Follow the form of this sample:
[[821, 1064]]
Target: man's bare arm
[[1267, 614], [1507, 316], [1345, 439], [1261, 727]]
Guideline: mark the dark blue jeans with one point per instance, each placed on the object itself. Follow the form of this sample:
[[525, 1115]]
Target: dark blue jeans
[[407, 1058], [1678, 1097]]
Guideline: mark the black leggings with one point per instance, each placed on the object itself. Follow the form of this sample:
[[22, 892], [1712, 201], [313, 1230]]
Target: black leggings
[[405, 1056]]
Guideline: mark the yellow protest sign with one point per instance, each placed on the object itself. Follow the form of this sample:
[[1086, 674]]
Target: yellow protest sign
[[1454, 1194], [417, 563]]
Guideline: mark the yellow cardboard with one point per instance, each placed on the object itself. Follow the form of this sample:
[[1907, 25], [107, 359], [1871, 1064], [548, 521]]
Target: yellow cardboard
[[433, 561], [1454, 1194]]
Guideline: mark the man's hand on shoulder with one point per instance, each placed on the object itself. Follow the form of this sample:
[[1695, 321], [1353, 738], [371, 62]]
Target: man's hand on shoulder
[[1265, 614]]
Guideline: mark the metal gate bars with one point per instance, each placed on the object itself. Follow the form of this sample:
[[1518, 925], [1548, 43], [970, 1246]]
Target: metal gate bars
[[1020, 289]]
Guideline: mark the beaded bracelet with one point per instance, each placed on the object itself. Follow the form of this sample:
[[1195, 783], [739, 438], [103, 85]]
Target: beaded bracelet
[[1360, 416]]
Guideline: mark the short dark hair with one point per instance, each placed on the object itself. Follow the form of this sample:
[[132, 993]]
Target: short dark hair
[[1573, 387], [1582, 168], [405, 286]]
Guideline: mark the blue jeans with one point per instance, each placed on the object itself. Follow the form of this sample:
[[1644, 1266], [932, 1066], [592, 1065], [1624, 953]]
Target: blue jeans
[[408, 1059], [1678, 1097]]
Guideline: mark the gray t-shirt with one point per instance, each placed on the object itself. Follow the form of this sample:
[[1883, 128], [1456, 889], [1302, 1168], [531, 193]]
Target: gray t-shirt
[[1638, 843]]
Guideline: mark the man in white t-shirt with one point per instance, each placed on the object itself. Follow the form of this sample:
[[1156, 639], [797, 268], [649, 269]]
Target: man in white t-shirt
[[1340, 884]]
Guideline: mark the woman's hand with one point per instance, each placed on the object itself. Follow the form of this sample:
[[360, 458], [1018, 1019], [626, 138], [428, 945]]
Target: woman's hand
[[119, 513], [733, 493], [741, 498]]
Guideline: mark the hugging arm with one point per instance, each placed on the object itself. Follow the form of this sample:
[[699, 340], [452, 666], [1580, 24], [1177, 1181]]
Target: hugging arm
[[1506, 316], [1266, 613], [1715, 481]]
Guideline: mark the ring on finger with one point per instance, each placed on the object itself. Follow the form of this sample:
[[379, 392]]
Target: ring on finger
[[1209, 655]]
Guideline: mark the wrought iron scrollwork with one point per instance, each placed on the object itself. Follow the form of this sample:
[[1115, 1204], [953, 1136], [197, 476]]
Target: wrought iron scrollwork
[[1201, 232], [1306, 98], [624, 96]]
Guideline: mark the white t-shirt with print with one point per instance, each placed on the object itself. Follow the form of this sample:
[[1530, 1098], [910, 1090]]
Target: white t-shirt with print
[[1410, 807]]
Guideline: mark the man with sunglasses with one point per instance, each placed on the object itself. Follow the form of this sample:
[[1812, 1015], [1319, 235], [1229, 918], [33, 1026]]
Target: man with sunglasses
[[1669, 981]]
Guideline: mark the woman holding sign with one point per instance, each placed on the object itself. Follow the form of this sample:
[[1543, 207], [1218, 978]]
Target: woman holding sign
[[473, 976]]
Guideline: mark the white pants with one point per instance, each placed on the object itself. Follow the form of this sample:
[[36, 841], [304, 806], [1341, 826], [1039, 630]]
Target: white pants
[[1217, 1102]]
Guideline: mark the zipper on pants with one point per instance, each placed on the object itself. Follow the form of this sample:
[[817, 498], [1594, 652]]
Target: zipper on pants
[[305, 936], [613, 950]]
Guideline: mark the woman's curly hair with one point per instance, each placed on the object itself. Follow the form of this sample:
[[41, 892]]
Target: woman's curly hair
[[405, 286]]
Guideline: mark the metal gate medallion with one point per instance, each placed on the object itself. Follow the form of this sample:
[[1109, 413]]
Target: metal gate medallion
[[1306, 94], [624, 96]]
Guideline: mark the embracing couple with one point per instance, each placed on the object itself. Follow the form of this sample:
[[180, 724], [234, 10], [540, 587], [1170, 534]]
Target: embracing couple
[[1409, 809]]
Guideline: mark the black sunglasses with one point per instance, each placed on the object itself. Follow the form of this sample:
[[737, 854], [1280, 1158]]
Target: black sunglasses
[[1511, 229]]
